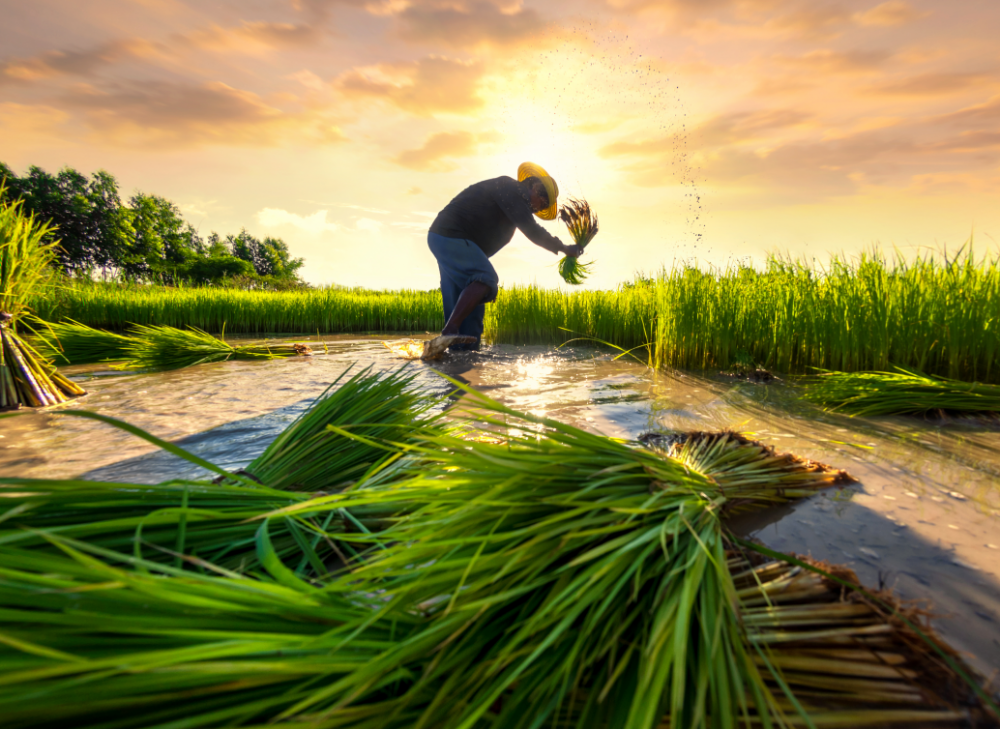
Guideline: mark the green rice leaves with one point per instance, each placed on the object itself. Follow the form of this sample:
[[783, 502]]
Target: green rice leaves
[[901, 393]]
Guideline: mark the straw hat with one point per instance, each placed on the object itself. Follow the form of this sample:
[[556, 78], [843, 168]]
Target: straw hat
[[529, 169]]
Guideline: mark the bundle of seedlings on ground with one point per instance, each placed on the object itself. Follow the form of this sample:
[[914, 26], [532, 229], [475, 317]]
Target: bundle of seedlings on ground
[[582, 225], [351, 429], [69, 342], [540, 574], [26, 376], [902, 393], [167, 348], [574, 579], [221, 522], [850, 657], [92, 638]]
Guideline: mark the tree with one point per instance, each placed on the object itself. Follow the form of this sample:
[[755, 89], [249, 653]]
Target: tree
[[91, 224], [269, 257]]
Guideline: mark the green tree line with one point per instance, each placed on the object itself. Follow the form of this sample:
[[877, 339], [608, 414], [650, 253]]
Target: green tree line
[[146, 239]]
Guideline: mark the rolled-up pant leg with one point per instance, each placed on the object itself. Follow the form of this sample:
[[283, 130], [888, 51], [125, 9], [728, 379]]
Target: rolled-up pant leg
[[460, 262]]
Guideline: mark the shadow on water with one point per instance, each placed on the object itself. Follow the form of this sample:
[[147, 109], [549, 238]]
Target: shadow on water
[[835, 528]]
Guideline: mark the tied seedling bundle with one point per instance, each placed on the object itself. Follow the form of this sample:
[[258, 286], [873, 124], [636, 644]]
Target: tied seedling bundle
[[168, 348], [582, 225], [26, 376], [902, 393]]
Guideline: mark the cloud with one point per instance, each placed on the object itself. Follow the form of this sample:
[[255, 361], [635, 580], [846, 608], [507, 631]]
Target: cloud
[[254, 37], [435, 152], [894, 12], [187, 114], [931, 84], [426, 87], [753, 152], [725, 129], [75, 63], [470, 24], [826, 61], [314, 224]]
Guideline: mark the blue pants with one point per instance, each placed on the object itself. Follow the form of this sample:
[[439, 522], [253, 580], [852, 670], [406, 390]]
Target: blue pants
[[461, 262]]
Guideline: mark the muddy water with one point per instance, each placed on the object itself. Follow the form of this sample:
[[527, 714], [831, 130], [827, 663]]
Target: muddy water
[[924, 519]]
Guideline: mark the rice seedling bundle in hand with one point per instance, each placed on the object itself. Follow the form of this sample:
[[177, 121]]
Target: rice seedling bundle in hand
[[26, 376], [582, 225], [168, 348], [901, 393], [70, 342]]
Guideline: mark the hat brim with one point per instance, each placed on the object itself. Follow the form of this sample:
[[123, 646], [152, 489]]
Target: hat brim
[[529, 169]]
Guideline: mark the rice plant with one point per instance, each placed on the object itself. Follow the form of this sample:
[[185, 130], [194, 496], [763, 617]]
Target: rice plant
[[167, 348], [901, 393], [583, 226], [26, 254]]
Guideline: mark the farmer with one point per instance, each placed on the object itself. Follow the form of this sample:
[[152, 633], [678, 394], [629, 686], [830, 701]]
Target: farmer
[[474, 226]]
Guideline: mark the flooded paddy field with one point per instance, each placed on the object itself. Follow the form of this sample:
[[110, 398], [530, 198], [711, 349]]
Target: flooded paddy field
[[924, 518]]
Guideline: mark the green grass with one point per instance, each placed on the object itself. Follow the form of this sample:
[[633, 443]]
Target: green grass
[[118, 306], [939, 315]]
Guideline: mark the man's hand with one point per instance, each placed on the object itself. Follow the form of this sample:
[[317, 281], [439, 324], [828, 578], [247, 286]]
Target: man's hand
[[572, 251]]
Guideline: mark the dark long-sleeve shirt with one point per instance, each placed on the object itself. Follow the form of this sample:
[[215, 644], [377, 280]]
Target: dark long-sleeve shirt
[[487, 213]]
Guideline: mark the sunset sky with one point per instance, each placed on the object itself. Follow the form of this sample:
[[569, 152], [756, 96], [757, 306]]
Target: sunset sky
[[699, 130]]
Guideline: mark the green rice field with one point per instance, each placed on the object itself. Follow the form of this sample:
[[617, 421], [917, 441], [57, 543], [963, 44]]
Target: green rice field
[[936, 315]]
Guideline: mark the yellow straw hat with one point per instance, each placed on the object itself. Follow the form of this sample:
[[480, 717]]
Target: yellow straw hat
[[529, 169]]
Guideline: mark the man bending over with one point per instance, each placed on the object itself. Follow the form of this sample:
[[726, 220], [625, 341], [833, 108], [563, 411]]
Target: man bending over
[[471, 229]]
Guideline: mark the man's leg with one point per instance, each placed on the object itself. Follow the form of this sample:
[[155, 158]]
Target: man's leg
[[471, 297]]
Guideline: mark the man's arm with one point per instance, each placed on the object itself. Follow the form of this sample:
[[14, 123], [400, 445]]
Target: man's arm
[[518, 209]]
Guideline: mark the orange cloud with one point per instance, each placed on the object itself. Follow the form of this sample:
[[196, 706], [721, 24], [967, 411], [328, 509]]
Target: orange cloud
[[435, 152], [891, 13], [430, 86], [77, 63], [931, 84], [253, 37], [187, 114], [826, 61], [470, 24]]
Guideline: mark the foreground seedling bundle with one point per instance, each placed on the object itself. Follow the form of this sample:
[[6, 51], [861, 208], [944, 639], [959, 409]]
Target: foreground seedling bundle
[[544, 576], [26, 377]]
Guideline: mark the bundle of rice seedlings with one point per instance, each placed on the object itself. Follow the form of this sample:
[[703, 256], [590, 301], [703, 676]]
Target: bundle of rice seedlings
[[26, 377], [567, 575], [73, 343], [167, 348], [218, 522], [902, 393], [849, 657], [93, 638], [179, 522], [751, 474], [346, 433], [582, 225]]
